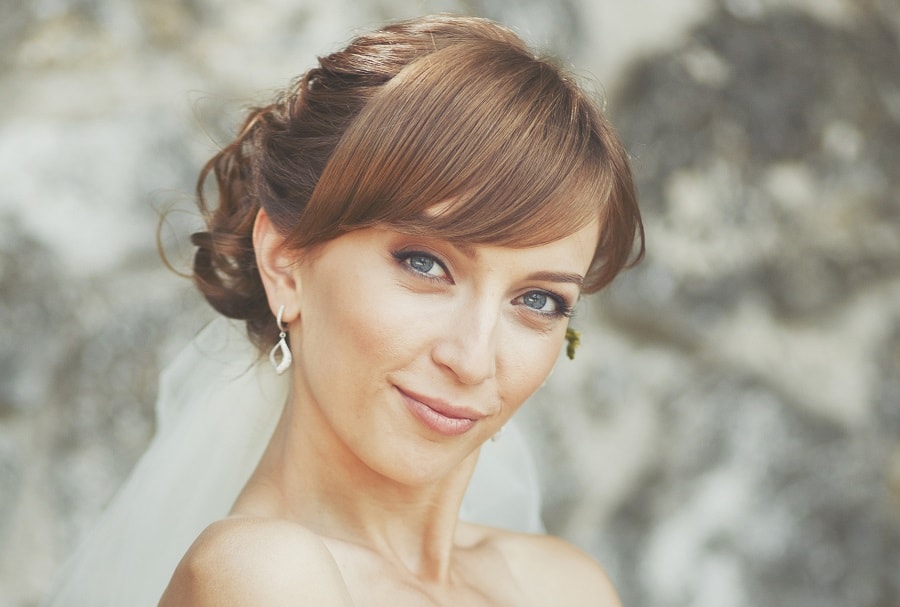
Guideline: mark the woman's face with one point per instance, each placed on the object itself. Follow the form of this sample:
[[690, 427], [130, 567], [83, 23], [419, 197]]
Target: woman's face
[[412, 351]]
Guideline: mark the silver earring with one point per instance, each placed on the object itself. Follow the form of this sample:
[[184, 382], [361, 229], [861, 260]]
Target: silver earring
[[281, 348], [498, 434]]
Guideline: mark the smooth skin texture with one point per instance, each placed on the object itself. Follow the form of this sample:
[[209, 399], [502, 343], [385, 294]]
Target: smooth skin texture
[[356, 499]]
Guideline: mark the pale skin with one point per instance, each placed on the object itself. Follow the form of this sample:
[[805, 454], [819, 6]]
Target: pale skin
[[356, 499]]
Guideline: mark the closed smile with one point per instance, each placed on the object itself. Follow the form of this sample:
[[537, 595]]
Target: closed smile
[[439, 415]]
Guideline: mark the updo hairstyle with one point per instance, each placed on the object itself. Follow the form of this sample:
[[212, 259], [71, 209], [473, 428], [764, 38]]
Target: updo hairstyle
[[432, 110]]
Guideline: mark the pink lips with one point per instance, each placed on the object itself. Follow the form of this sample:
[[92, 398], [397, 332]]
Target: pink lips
[[440, 416]]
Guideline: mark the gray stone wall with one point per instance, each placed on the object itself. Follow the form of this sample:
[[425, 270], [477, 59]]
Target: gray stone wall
[[729, 433]]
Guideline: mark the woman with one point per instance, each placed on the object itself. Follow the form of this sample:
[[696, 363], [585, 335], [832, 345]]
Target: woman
[[406, 231]]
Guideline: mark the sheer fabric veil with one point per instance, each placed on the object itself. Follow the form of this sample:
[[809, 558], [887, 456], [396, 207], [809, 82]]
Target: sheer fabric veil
[[218, 404]]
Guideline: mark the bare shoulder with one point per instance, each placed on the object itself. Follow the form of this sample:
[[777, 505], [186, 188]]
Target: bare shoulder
[[256, 561], [555, 572]]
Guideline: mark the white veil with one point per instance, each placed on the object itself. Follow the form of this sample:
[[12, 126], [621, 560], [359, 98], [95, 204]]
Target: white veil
[[218, 405]]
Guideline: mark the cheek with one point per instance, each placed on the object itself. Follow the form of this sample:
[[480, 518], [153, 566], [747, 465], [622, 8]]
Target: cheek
[[353, 323], [528, 361]]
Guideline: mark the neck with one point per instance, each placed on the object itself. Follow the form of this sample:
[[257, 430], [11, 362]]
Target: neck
[[309, 475]]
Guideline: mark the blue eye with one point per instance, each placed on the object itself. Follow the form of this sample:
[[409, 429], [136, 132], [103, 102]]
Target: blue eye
[[546, 303], [536, 300], [420, 263]]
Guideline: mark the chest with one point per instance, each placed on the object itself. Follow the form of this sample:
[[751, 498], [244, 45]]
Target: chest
[[477, 579]]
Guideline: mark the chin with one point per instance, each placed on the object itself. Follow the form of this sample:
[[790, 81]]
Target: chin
[[427, 463]]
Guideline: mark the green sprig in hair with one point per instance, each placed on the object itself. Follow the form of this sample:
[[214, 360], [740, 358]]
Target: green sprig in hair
[[573, 339]]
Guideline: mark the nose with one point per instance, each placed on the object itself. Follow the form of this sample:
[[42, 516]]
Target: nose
[[468, 345]]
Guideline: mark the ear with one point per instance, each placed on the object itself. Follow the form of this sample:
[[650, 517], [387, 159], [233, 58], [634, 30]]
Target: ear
[[278, 268]]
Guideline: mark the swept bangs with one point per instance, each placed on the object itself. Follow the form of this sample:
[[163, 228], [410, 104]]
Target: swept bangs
[[486, 129]]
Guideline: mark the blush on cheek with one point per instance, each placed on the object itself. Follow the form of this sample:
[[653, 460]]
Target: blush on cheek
[[373, 327]]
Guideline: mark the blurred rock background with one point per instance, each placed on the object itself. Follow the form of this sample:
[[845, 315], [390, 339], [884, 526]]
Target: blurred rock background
[[729, 433]]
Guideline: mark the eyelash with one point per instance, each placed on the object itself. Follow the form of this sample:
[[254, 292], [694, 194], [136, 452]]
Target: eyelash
[[403, 256], [563, 309]]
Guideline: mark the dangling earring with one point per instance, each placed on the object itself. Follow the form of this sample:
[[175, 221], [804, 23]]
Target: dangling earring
[[573, 338], [281, 347]]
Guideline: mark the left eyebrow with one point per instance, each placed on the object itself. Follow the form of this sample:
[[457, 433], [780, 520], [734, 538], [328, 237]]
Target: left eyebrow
[[564, 277]]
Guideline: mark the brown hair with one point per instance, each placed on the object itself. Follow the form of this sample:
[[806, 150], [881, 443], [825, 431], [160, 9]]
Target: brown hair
[[432, 110]]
